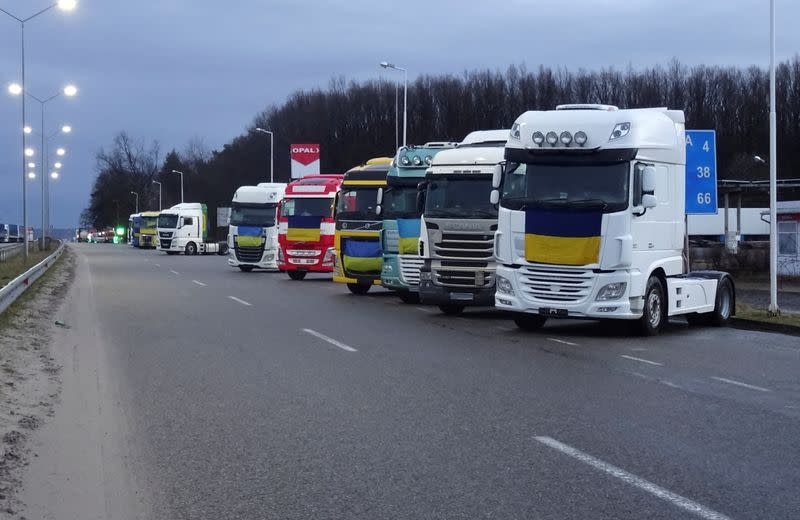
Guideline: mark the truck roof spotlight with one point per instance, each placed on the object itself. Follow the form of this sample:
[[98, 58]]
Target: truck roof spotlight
[[405, 161], [417, 161], [552, 138], [538, 138], [566, 138], [581, 138]]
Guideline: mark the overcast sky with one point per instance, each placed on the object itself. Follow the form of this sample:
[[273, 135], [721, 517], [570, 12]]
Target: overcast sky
[[171, 70]]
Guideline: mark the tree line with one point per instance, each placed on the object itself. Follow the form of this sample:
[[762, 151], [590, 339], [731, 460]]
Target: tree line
[[354, 121]]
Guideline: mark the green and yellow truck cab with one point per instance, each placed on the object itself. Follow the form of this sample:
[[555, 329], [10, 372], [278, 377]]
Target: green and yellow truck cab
[[397, 206], [358, 258]]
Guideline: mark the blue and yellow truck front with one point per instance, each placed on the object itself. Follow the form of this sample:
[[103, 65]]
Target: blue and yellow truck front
[[401, 218], [358, 258]]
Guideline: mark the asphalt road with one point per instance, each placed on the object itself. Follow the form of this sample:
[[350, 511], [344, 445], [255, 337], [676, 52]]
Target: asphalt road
[[249, 395]]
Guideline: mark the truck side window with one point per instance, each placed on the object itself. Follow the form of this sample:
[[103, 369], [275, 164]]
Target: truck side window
[[187, 221], [637, 184]]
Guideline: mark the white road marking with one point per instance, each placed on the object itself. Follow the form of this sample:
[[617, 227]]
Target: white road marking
[[332, 341], [506, 329], [642, 360], [158, 265], [234, 298], [424, 309], [174, 271], [743, 385], [201, 284], [631, 479], [638, 349], [562, 341]]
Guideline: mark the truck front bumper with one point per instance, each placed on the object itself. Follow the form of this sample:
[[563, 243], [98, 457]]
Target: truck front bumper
[[519, 299], [432, 294], [269, 260]]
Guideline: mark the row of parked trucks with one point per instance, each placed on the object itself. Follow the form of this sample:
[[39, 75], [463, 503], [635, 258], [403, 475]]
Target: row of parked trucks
[[576, 212], [10, 233]]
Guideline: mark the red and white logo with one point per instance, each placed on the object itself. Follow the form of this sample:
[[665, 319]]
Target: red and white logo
[[305, 160]]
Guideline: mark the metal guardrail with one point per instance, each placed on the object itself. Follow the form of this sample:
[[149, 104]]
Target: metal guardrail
[[9, 251], [9, 293]]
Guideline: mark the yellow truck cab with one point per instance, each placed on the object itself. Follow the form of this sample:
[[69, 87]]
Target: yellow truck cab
[[358, 256]]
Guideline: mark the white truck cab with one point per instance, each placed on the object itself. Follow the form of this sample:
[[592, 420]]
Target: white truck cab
[[183, 228], [253, 231], [591, 221]]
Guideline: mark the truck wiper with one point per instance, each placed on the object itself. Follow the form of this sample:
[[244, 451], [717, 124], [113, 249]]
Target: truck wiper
[[598, 202]]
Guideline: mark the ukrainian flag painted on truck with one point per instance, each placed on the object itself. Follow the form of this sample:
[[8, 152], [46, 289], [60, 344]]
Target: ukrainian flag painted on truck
[[358, 257], [134, 226], [401, 218]]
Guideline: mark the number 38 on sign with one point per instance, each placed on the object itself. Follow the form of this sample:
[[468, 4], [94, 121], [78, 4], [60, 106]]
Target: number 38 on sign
[[701, 172]]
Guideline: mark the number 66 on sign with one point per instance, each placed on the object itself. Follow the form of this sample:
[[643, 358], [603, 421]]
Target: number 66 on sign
[[701, 172]]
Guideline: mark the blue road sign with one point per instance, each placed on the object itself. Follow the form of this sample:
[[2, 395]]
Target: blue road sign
[[701, 172]]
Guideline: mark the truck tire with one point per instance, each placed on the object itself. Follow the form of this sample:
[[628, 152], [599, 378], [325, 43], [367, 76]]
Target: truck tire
[[191, 249], [724, 305], [359, 288], [451, 309], [296, 275], [408, 296], [655, 308], [246, 268], [529, 322]]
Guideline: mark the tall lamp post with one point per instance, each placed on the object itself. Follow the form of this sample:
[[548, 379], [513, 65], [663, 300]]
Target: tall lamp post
[[159, 194], [137, 201], [64, 5], [271, 153], [773, 173], [181, 174], [387, 65]]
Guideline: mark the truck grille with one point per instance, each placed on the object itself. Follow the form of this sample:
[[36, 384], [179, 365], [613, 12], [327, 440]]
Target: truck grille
[[556, 284], [409, 268], [464, 277], [465, 245], [250, 255], [165, 244]]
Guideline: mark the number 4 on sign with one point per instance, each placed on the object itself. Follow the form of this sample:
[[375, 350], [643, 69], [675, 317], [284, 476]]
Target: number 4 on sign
[[706, 146]]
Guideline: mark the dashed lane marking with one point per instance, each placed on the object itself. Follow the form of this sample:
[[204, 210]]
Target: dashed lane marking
[[173, 271], [237, 300], [330, 340], [641, 360], [739, 383], [201, 284], [563, 341]]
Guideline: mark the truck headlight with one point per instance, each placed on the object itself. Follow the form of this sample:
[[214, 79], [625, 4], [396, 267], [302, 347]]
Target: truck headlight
[[329, 256], [612, 291], [504, 286]]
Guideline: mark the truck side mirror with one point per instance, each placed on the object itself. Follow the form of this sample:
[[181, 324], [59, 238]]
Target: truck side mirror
[[421, 188], [649, 201], [497, 176], [649, 179], [494, 197]]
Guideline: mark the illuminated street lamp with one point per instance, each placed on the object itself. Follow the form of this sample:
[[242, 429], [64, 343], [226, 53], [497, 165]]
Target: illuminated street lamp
[[31, 165], [387, 65], [54, 175], [58, 165], [17, 89], [29, 152], [27, 129], [31, 175], [61, 152]]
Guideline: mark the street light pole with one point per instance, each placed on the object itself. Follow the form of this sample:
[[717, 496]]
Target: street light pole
[[387, 65], [773, 173], [137, 201], [159, 194], [64, 5], [271, 153], [181, 173]]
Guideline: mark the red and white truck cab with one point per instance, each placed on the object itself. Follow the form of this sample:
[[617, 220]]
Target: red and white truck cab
[[306, 226]]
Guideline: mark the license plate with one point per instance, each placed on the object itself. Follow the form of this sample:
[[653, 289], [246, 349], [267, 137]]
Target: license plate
[[302, 261], [462, 297], [558, 313]]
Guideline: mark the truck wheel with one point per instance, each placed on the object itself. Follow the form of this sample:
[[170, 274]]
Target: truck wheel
[[451, 309], [723, 307], [296, 275], [408, 296], [246, 268], [529, 322], [191, 249], [359, 288], [655, 308]]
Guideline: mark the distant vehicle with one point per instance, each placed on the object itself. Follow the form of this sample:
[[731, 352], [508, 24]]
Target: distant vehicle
[[253, 230], [148, 223], [183, 228], [9, 233], [592, 221], [397, 207], [81, 235], [306, 225], [458, 224], [134, 223], [358, 259]]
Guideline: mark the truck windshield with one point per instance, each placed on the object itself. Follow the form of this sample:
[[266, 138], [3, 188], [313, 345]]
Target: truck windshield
[[400, 202], [357, 204], [258, 215], [461, 196], [167, 221], [148, 222], [567, 185], [307, 207]]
